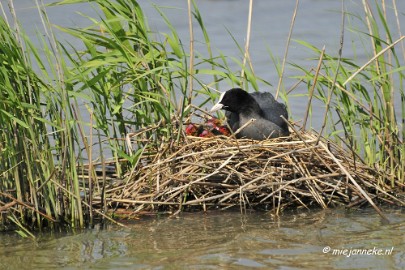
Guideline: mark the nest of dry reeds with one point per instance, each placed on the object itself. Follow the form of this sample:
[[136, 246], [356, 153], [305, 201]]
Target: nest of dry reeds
[[302, 170]]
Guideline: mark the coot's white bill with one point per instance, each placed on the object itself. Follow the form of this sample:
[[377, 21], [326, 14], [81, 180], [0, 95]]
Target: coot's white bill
[[217, 107], [240, 107]]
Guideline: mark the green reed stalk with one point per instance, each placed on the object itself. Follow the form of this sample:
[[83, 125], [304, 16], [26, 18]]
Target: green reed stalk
[[364, 98], [38, 157], [125, 79]]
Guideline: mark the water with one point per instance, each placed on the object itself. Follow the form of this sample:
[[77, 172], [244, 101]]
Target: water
[[317, 22], [227, 240], [222, 240]]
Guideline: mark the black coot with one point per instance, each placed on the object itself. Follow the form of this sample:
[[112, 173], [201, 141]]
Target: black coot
[[242, 106]]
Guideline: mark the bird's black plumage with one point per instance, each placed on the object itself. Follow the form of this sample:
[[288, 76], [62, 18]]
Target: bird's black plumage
[[241, 106]]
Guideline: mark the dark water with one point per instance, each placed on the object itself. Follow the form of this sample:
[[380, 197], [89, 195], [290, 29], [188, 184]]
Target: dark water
[[326, 239], [228, 240]]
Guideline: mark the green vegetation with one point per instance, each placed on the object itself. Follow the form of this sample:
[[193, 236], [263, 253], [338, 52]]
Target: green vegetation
[[360, 99], [61, 120]]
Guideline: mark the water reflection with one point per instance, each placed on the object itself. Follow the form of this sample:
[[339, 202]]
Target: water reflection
[[224, 239], [228, 240]]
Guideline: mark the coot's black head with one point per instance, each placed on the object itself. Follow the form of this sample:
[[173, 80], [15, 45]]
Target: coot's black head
[[238, 101]]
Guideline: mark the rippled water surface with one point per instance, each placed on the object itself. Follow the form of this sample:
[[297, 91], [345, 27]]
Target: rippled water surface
[[222, 240], [228, 240]]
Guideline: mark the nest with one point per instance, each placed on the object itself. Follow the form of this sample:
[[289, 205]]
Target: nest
[[302, 170]]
